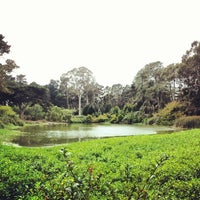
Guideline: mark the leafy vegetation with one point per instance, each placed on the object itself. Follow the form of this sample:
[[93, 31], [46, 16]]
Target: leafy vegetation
[[139, 167], [58, 114], [169, 114], [188, 122], [8, 116], [159, 94]]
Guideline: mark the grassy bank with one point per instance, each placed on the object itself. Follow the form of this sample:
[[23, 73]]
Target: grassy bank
[[7, 133], [138, 167]]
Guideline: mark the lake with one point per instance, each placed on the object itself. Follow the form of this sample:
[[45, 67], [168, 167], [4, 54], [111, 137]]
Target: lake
[[49, 135]]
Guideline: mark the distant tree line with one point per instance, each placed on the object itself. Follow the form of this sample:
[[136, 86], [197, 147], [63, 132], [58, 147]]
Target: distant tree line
[[153, 91]]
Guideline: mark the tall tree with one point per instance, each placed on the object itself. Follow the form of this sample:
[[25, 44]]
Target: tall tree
[[151, 88], [79, 80], [171, 76], [6, 68], [4, 47], [189, 74], [56, 96], [21, 79], [24, 95]]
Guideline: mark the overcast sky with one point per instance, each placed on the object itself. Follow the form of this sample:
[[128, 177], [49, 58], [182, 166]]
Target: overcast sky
[[112, 38]]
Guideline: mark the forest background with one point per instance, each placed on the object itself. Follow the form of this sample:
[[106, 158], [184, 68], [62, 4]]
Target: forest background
[[158, 94]]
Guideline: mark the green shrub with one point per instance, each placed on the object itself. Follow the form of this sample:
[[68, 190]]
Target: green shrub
[[1, 125], [58, 114], [128, 108], [188, 122], [139, 167], [67, 115], [115, 110], [168, 114], [88, 119], [113, 119], [35, 112], [133, 117], [77, 119], [102, 118], [8, 116]]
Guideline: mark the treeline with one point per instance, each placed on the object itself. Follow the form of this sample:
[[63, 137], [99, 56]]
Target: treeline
[[159, 94]]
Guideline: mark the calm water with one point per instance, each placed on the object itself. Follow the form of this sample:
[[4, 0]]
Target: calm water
[[61, 134]]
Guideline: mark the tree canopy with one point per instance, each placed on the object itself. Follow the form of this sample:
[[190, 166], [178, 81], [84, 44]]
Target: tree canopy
[[154, 87], [79, 81], [7, 67]]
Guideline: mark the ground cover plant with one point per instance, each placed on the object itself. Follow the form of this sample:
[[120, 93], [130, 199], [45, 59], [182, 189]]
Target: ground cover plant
[[137, 167]]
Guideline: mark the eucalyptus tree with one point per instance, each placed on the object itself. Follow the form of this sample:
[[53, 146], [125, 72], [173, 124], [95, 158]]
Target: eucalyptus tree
[[106, 100], [189, 74], [78, 81], [116, 93], [173, 82], [151, 88], [93, 98], [128, 95]]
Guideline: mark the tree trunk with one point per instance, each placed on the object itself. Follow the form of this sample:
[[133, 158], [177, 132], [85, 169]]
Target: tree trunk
[[87, 99], [79, 105], [22, 109], [67, 101]]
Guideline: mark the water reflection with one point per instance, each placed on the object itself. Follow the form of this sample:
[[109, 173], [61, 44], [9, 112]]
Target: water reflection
[[61, 134]]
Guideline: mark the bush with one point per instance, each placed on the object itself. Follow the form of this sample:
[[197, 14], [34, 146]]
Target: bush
[[113, 119], [128, 108], [139, 167], [88, 119], [168, 114], [55, 114], [58, 114], [90, 109], [77, 119], [134, 117], [102, 118], [115, 110], [67, 115], [188, 122], [8, 116], [1, 125], [35, 112]]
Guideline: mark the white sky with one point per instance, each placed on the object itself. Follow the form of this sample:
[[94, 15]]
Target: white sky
[[112, 38]]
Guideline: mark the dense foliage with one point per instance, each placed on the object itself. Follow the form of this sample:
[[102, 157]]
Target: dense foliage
[[139, 167], [188, 122], [150, 98], [8, 116]]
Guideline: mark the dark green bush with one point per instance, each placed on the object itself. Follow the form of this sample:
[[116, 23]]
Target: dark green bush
[[90, 109], [188, 122]]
